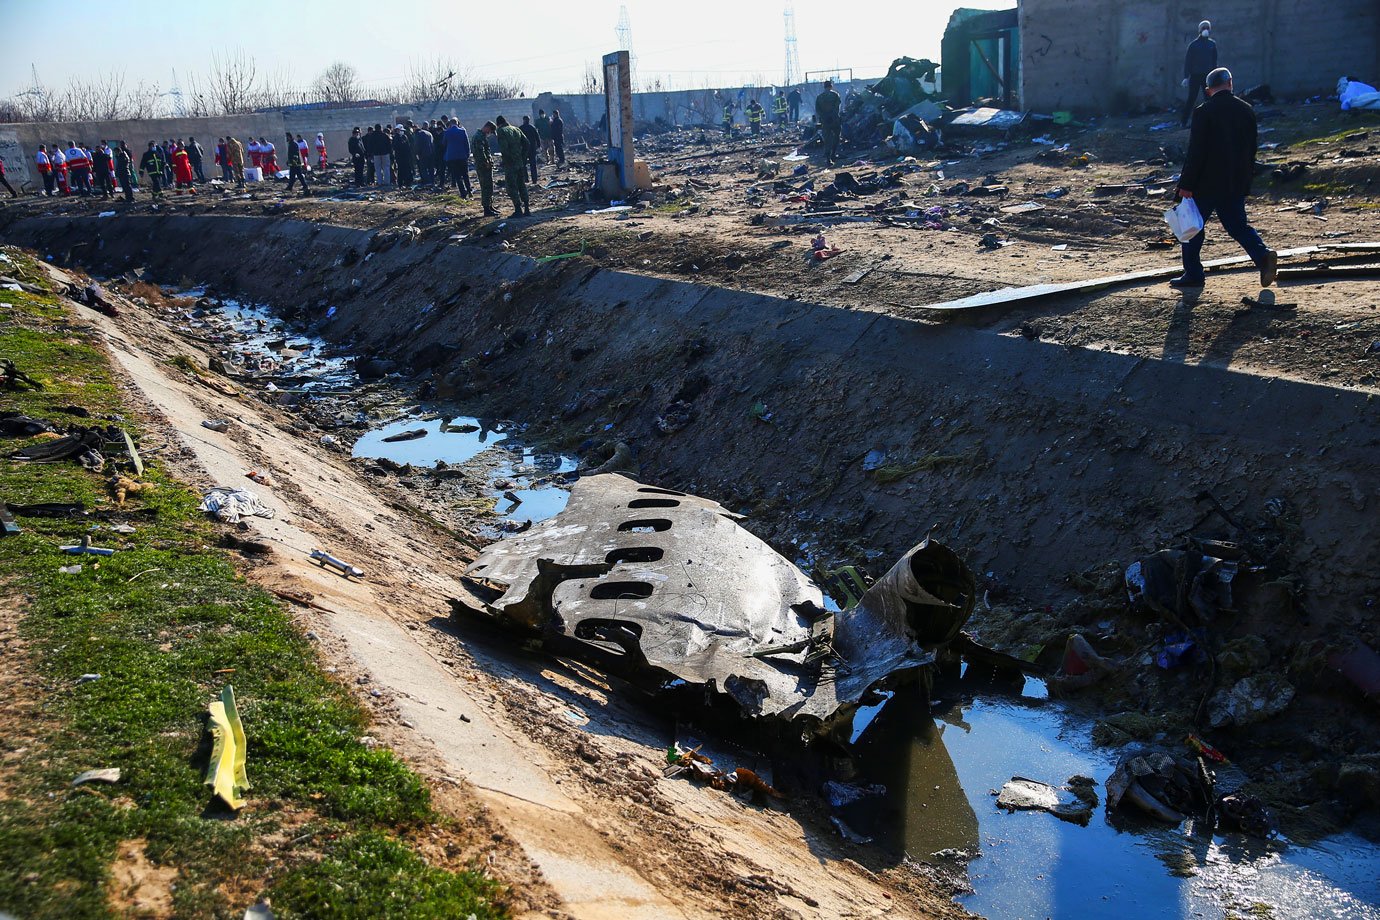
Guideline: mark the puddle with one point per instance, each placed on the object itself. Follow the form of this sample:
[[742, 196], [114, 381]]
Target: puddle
[[511, 469], [942, 773], [257, 342]]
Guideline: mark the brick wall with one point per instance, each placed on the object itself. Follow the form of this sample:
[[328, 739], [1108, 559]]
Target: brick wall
[[1112, 55]]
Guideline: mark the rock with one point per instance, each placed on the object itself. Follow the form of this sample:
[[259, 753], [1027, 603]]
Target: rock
[[1240, 657], [1358, 781], [1252, 699]]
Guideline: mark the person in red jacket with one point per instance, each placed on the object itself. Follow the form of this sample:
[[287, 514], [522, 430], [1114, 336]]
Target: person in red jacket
[[60, 169], [45, 169], [182, 170], [321, 160], [78, 169]]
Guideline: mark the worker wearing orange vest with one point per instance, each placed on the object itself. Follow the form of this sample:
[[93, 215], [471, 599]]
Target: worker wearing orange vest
[[182, 170]]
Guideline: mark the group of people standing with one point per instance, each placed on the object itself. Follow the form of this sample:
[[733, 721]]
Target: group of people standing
[[785, 110], [437, 153], [103, 170]]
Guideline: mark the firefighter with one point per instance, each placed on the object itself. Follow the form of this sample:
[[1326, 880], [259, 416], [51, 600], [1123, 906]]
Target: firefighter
[[754, 117], [182, 170], [151, 165], [779, 108], [728, 119]]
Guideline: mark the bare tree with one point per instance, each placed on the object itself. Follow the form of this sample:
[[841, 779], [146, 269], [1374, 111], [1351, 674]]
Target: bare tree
[[278, 91], [589, 83], [431, 81], [337, 83], [231, 88]]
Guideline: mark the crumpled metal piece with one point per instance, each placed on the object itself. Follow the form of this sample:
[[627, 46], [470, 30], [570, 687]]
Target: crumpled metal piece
[[670, 587]]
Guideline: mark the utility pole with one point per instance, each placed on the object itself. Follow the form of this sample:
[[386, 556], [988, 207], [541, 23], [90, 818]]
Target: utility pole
[[792, 53], [624, 32], [179, 107]]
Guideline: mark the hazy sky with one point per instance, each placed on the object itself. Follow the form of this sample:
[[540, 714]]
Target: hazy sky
[[544, 43]]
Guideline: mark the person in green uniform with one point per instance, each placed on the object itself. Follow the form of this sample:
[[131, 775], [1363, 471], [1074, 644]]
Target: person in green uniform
[[827, 105], [484, 168], [513, 146]]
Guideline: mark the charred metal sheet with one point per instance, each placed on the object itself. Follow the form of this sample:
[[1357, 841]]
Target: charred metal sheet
[[672, 587]]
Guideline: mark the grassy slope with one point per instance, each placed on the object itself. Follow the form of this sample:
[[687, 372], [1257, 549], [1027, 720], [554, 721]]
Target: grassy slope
[[163, 621]]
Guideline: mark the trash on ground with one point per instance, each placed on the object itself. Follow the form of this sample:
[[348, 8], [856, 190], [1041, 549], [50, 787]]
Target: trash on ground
[[229, 505], [215, 424], [1021, 794], [103, 775], [325, 559], [226, 773]]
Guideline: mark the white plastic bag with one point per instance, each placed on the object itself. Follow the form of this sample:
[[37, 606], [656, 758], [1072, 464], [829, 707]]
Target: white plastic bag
[[1184, 220]]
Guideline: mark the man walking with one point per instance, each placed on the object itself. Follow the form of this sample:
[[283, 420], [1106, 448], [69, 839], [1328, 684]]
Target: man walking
[[827, 106], [124, 170], [6, 182], [151, 165], [513, 145], [793, 101], [1217, 176], [195, 154], [457, 141], [484, 168], [297, 167], [1199, 60], [558, 135], [529, 131]]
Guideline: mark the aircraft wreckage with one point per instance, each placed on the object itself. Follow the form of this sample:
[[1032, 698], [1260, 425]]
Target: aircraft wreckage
[[666, 587]]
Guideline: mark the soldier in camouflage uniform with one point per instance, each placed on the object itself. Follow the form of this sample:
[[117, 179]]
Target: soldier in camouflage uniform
[[484, 167], [514, 148]]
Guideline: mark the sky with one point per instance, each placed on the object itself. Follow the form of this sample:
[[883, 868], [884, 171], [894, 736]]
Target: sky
[[544, 43]]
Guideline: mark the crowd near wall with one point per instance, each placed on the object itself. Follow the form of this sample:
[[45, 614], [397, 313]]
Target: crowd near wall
[[684, 107], [1117, 55]]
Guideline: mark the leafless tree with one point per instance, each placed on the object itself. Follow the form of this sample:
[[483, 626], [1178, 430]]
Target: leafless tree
[[338, 83], [594, 75], [231, 90], [277, 90], [430, 81]]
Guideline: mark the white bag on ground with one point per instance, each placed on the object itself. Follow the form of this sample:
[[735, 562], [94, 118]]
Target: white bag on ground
[[1184, 220]]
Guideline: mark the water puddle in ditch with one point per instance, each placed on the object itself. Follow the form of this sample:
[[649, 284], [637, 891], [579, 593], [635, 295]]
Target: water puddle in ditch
[[526, 485], [942, 772]]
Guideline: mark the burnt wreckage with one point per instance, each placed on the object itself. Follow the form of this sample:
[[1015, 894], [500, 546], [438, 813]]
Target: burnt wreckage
[[668, 589]]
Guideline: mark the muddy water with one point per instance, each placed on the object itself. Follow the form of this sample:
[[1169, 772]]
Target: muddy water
[[942, 771]]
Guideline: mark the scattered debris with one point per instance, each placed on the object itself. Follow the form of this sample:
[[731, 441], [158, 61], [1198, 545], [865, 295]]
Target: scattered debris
[[1021, 794], [103, 775], [229, 505], [325, 559]]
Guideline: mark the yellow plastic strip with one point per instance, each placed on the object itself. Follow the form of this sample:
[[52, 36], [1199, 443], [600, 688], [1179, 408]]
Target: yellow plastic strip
[[226, 772]]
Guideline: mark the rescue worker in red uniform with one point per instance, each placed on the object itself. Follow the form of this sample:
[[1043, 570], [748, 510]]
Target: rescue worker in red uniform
[[45, 169], [60, 169], [321, 151], [182, 170], [78, 169], [268, 154]]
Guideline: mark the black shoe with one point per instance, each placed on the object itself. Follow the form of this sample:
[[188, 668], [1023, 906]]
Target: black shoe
[[1269, 269], [1184, 281], [526, 212], [517, 213]]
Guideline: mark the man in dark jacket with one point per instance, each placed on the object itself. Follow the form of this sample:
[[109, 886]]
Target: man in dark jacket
[[529, 131], [558, 134], [378, 147], [297, 169], [151, 165], [827, 109], [402, 156], [103, 164], [1217, 175], [421, 149], [1199, 60], [124, 169], [357, 157], [458, 157], [195, 154]]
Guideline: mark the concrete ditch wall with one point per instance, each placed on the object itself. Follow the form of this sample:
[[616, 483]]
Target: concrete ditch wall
[[1044, 461]]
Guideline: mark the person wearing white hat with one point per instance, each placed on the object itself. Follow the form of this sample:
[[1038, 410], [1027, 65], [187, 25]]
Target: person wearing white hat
[[1199, 60]]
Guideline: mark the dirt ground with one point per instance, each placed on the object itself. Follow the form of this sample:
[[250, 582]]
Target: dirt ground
[[542, 756]]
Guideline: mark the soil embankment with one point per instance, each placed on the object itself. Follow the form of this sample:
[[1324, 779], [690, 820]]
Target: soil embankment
[[844, 435]]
